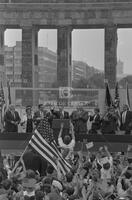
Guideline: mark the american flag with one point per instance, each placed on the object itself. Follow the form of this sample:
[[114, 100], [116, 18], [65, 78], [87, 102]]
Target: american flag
[[2, 98], [43, 143], [9, 93], [108, 97], [117, 104], [2, 104], [127, 96], [117, 98]]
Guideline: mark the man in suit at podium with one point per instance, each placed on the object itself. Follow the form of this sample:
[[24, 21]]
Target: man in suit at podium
[[96, 121], [126, 120], [61, 113], [39, 114], [60, 116], [79, 119]]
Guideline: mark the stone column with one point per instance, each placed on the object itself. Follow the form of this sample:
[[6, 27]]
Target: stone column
[[29, 60], [2, 63], [110, 54], [35, 66], [64, 59]]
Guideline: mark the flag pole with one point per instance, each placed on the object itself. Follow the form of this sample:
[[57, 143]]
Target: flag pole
[[20, 159], [127, 96]]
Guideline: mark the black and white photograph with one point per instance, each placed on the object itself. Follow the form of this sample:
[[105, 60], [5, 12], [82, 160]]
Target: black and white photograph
[[65, 99]]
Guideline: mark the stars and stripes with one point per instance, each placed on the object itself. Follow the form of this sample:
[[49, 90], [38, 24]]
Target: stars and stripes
[[9, 93], [117, 105], [2, 97], [43, 143], [127, 96], [108, 97], [117, 98], [2, 105]]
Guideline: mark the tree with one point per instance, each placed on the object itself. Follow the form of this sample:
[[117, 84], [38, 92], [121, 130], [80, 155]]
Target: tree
[[96, 81], [127, 79]]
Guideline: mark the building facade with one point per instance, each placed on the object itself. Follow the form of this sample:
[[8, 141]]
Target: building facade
[[46, 71], [120, 68]]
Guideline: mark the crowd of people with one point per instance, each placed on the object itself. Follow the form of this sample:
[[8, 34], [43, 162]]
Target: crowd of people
[[109, 123], [101, 175], [94, 175]]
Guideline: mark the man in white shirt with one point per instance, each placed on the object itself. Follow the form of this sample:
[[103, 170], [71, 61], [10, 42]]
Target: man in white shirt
[[67, 144], [106, 163]]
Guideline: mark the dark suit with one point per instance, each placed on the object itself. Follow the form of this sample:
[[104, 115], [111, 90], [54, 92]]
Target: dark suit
[[59, 115], [79, 121], [35, 162], [127, 124], [9, 118], [96, 121], [109, 124], [38, 116]]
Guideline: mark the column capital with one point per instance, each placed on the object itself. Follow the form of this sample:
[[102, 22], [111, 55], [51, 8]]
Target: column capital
[[26, 27], [35, 28], [2, 28], [111, 25], [66, 28]]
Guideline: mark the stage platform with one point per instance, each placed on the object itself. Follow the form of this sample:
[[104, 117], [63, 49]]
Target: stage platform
[[16, 142]]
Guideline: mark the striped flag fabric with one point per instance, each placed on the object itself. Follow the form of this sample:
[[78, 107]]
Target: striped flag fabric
[[43, 143], [127, 96], [2, 105], [2, 97], [117, 104], [117, 98], [9, 93], [108, 97]]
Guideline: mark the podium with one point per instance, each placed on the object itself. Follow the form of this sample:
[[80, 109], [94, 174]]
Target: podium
[[56, 125]]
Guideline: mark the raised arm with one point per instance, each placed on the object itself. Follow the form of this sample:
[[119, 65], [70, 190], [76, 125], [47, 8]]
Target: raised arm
[[72, 131], [61, 130]]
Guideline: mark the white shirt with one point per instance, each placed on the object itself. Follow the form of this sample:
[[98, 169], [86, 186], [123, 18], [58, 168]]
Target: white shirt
[[106, 174], [124, 116], [69, 146]]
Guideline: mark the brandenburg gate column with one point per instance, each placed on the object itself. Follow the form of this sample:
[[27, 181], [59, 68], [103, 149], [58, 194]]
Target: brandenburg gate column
[[110, 54], [2, 63], [64, 58], [35, 65], [29, 62]]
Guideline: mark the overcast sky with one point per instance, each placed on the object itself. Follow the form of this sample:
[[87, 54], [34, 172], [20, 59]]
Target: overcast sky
[[87, 45]]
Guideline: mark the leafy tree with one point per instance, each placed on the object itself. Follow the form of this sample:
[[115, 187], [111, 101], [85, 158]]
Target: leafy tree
[[96, 81], [127, 79]]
